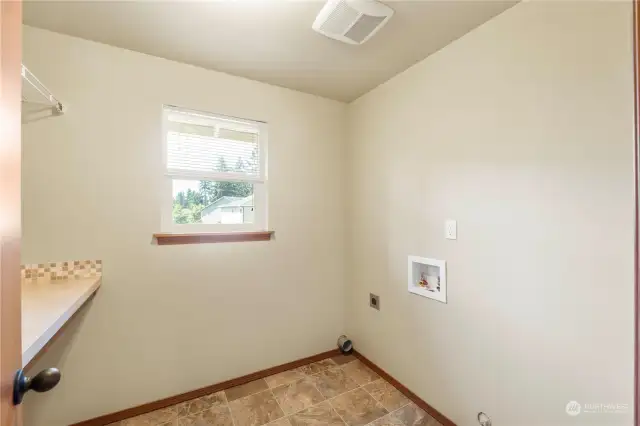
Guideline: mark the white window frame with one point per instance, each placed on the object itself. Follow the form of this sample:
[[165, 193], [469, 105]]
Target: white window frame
[[259, 184]]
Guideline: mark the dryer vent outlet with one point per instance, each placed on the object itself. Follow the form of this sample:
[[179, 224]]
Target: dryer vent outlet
[[345, 345]]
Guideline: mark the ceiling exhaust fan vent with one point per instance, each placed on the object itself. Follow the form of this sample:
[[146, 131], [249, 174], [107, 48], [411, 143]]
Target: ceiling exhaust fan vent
[[352, 21]]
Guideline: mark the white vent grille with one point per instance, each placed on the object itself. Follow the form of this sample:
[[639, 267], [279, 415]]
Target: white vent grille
[[352, 21], [340, 19], [363, 27]]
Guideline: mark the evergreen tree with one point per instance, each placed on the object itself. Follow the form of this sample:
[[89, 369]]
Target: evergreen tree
[[207, 191], [188, 206], [193, 198], [230, 188], [222, 165], [239, 165], [233, 189], [181, 199], [253, 163]]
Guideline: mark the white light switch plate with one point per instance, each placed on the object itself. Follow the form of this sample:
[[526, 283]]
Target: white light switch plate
[[450, 230]]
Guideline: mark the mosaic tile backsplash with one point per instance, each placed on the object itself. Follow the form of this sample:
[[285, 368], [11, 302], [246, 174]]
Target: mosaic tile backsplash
[[61, 270]]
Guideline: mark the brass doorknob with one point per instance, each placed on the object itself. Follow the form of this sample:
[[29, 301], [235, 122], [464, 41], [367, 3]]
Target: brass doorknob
[[42, 382]]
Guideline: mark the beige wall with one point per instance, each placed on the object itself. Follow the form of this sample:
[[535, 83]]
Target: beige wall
[[172, 319], [522, 131]]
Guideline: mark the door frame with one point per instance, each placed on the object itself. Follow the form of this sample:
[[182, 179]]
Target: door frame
[[10, 206], [636, 190]]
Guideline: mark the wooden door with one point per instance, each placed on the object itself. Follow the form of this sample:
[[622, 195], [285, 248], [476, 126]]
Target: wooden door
[[10, 150]]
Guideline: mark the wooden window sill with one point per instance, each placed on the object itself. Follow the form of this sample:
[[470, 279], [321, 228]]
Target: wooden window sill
[[211, 237]]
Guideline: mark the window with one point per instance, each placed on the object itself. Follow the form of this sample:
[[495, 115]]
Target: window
[[215, 172]]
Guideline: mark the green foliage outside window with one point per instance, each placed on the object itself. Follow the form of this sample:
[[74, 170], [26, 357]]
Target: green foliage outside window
[[188, 206]]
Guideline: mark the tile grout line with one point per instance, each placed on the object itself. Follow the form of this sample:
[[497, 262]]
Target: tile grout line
[[395, 389], [228, 403], [350, 390], [365, 390], [374, 398], [370, 382], [305, 377], [380, 402], [265, 381], [226, 400], [249, 394], [337, 396], [328, 400], [389, 413], [188, 406], [269, 388], [336, 411], [284, 415], [233, 419], [320, 393]]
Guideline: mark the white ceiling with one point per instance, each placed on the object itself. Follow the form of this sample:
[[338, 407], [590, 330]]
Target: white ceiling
[[268, 40]]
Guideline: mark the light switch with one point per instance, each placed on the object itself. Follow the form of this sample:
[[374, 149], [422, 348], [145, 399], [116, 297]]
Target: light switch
[[450, 230]]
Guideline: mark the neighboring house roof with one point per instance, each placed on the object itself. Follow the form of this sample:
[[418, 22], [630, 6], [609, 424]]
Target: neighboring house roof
[[244, 202], [222, 201], [227, 201]]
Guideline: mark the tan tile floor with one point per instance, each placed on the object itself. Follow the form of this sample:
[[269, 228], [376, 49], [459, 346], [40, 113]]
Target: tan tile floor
[[337, 391]]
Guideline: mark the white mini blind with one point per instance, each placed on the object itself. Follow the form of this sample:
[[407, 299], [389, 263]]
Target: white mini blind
[[207, 146]]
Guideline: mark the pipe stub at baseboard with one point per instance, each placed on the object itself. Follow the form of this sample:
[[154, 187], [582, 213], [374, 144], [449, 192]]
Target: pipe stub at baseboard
[[345, 345]]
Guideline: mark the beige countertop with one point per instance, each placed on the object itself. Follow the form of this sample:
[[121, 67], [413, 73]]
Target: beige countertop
[[47, 306]]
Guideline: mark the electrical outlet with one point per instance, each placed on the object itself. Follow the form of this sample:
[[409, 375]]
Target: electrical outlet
[[374, 301], [450, 230]]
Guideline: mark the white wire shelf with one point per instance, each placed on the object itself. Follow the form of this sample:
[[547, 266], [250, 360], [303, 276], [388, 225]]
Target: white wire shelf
[[33, 91]]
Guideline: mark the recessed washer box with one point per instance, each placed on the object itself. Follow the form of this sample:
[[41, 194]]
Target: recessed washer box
[[428, 278]]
